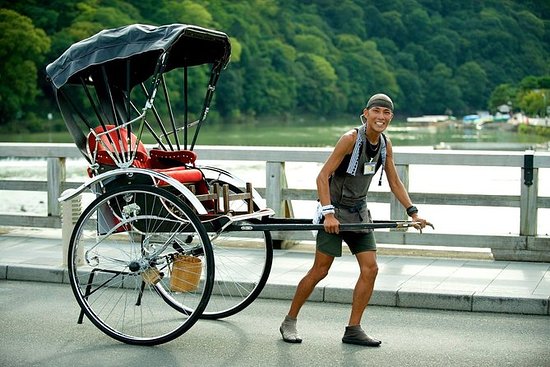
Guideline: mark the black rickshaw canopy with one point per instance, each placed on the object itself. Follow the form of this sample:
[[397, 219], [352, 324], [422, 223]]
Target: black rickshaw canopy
[[188, 45]]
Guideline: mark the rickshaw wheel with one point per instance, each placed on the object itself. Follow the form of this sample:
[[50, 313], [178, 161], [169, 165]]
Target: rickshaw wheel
[[124, 268], [242, 262]]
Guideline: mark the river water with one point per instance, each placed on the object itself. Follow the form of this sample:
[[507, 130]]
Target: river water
[[423, 178]]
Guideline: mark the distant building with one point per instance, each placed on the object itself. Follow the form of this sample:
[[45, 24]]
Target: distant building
[[504, 109]]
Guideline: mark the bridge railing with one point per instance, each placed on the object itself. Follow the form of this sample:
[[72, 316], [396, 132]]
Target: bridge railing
[[526, 245]]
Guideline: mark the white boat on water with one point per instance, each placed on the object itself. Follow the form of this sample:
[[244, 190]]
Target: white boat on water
[[482, 117], [483, 120], [471, 120], [429, 119]]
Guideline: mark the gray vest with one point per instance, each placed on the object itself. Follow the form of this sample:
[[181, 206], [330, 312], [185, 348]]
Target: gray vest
[[350, 190]]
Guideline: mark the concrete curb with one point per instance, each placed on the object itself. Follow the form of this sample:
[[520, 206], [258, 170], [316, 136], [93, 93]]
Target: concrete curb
[[403, 298], [532, 304]]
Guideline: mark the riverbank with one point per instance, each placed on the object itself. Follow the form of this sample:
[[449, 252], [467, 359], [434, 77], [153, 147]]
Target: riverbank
[[325, 133]]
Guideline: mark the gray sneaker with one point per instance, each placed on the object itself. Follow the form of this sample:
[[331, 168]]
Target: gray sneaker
[[289, 332], [356, 335]]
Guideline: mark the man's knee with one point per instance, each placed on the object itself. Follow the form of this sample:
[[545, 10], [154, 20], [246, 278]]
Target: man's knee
[[319, 272], [369, 271]]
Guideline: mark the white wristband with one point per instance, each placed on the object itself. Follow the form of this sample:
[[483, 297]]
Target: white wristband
[[327, 209]]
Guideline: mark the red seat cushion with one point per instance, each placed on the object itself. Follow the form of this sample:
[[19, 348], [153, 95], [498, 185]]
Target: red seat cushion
[[188, 176], [167, 162], [116, 142], [182, 174]]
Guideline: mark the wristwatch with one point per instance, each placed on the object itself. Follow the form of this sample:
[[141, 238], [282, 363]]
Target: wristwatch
[[412, 210]]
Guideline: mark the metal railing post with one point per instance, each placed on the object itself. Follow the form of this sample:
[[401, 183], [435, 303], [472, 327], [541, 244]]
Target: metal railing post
[[56, 178], [396, 209], [529, 192]]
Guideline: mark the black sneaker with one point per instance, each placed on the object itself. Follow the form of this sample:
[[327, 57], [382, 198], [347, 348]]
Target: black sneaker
[[356, 335]]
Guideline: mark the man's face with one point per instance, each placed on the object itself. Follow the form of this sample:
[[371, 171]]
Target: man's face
[[378, 118]]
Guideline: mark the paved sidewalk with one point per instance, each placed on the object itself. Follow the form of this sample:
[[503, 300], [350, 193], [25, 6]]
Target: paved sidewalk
[[403, 281]]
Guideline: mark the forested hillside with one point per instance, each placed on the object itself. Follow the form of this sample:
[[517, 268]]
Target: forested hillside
[[322, 57]]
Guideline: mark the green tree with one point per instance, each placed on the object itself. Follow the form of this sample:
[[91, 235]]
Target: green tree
[[22, 49], [442, 48], [534, 102], [472, 81], [92, 17], [316, 83], [421, 56], [392, 23], [344, 16], [309, 43], [366, 72], [529, 82], [418, 24], [186, 11], [412, 91], [442, 93], [544, 82], [504, 94], [229, 98], [56, 15]]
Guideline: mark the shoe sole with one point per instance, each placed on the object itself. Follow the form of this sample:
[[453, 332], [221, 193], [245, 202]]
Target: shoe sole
[[360, 342]]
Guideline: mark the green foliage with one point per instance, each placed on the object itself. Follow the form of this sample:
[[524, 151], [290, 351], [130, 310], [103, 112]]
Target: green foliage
[[321, 57], [22, 49], [187, 12], [534, 130], [532, 95], [504, 94], [534, 102], [443, 96], [472, 81]]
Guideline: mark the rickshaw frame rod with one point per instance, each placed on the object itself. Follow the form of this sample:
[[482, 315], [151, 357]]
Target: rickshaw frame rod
[[285, 224]]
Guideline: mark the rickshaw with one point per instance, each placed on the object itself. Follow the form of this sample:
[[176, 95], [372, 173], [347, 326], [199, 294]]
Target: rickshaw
[[165, 241]]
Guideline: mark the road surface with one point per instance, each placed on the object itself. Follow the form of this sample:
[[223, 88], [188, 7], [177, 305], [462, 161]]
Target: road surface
[[38, 328]]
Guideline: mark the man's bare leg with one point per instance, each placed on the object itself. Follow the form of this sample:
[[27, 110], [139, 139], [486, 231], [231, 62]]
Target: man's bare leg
[[318, 272], [361, 296]]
